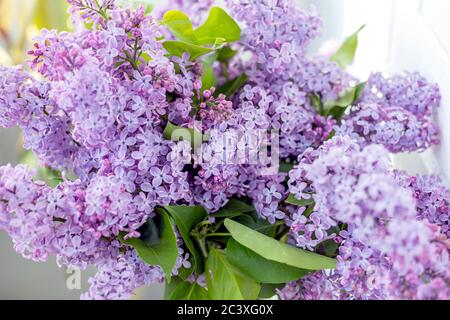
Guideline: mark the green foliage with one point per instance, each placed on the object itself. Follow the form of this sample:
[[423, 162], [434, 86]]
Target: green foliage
[[259, 268], [277, 251], [219, 25], [225, 282], [286, 167], [51, 177], [177, 48], [163, 252], [180, 26], [184, 290], [232, 86], [233, 209], [209, 79], [177, 133], [218, 30], [186, 218], [337, 108], [346, 53]]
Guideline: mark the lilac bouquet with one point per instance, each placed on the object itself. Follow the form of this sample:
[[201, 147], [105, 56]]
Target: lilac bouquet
[[204, 147]]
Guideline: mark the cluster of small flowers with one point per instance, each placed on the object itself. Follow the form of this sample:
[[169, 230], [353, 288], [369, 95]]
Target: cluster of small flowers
[[396, 112], [387, 249], [43, 221], [432, 198], [117, 279], [99, 114]]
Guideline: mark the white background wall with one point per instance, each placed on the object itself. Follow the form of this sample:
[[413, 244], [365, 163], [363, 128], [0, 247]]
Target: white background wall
[[400, 35]]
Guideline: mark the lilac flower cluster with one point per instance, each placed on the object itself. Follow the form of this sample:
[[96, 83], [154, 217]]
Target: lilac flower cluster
[[386, 248], [108, 94], [432, 198], [118, 278], [410, 91], [396, 112]]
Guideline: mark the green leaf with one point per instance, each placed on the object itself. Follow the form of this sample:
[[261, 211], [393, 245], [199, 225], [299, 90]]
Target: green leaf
[[346, 53], [233, 209], [317, 103], [255, 223], [259, 268], [232, 86], [225, 54], [286, 167], [186, 218], [269, 290], [184, 290], [225, 282], [180, 26], [337, 108], [274, 250], [51, 177], [175, 133], [219, 25], [209, 79], [177, 48], [300, 203], [164, 253]]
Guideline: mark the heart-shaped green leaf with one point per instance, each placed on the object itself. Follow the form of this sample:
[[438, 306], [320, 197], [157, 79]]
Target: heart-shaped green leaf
[[274, 250], [225, 282], [337, 108], [184, 290], [177, 48], [176, 133], [186, 218], [259, 268], [180, 26], [346, 53], [163, 253], [233, 209], [209, 79], [219, 25]]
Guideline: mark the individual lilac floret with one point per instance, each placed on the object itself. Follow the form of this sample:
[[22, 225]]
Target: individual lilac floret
[[409, 91], [395, 128]]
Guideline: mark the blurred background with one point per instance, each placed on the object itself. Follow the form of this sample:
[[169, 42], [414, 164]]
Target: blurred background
[[400, 35]]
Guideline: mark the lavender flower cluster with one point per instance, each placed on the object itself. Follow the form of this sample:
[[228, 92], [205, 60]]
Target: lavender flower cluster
[[390, 245], [108, 91]]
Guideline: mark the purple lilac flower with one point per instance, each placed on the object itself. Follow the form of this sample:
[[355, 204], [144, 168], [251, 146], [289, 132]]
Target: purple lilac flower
[[409, 91], [118, 278], [432, 198], [383, 241], [393, 127]]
